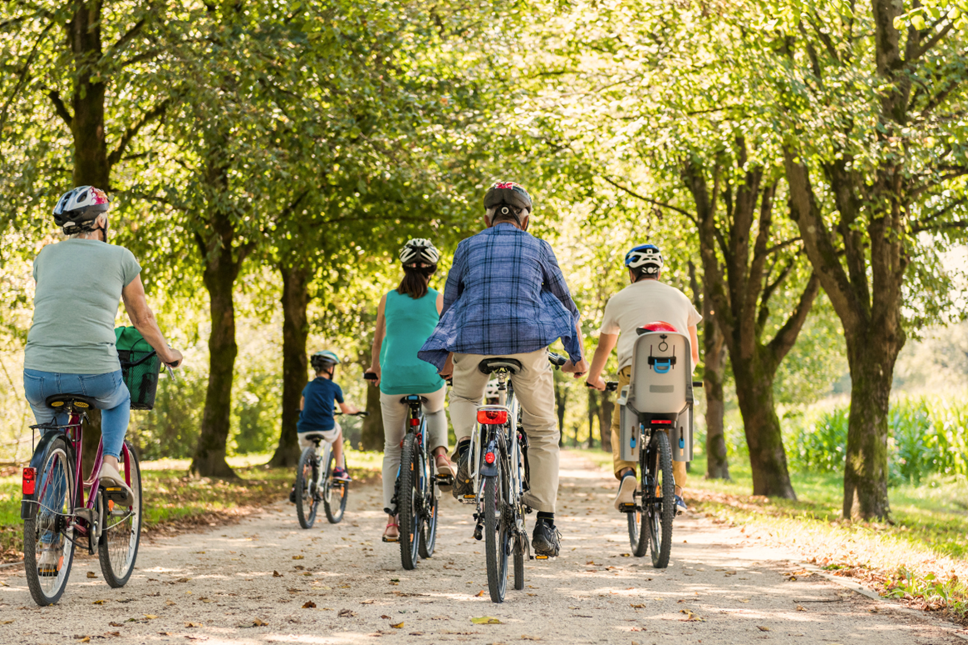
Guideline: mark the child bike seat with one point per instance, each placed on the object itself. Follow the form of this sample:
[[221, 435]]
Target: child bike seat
[[75, 401], [491, 365]]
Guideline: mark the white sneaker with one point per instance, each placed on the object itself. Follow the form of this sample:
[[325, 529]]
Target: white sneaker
[[110, 477], [626, 492]]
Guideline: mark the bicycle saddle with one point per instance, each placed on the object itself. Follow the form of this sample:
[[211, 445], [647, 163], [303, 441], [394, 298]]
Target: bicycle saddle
[[77, 401], [413, 397], [491, 365]]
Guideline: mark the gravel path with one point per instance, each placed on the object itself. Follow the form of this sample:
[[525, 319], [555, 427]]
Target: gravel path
[[265, 580]]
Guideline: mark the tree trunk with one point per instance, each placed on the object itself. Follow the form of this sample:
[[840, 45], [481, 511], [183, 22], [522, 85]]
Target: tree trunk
[[714, 354], [372, 437], [871, 358], [754, 390], [561, 401], [295, 366], [594, 409], [605, 421]]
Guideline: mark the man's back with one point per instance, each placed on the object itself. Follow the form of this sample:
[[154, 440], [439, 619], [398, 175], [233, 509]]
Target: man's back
[[641, 303]]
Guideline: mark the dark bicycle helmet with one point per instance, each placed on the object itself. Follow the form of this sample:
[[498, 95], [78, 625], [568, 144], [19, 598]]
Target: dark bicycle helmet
[[323, 360], [508, 197], [79, 206]]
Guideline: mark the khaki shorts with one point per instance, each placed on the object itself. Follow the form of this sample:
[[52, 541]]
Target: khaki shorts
[[329, 436]]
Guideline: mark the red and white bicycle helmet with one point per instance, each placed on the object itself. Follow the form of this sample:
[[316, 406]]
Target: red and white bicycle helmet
[[80, 205], [510, 199], [658, 325], [419, 250]]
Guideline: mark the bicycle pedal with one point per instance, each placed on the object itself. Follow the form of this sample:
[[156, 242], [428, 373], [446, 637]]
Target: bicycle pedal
[[540, 557], [115, 493], [627, 508], [470, 497]]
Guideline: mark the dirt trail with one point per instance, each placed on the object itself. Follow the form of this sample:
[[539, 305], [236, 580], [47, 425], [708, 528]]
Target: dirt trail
[[215, 587]]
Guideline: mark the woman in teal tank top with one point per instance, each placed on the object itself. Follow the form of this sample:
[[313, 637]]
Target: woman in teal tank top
[[406, 318]]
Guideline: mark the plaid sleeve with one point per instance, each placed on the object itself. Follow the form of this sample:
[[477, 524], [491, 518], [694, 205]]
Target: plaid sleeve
[[554, 281], [454, 285]]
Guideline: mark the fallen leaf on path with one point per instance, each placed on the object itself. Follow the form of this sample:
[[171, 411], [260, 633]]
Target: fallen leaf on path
[[309, 604], [346, 613], [115, 624], [5, 622], [83, 639], [150, 616], [385, 617], [259, 623], [206, 600], [298, 557], [99, 602], [486, 620], [480, 594], [744, 599], [196, 638], [691, 617], [637, 606], [276, 574], [801, 608], [91, 574], [765, 629], [183, 580], [398, 625], [525, 637], [367, 602], [169, 603], [106, 634], [193, 624]]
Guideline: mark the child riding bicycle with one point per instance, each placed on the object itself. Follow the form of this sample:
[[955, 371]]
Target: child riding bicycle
[[316, 412]]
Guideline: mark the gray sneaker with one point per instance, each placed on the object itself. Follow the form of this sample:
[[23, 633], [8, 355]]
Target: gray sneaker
[[625, 498]]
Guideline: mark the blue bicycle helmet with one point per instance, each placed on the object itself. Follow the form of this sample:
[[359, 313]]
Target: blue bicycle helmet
[[645, 257], [323, 360]]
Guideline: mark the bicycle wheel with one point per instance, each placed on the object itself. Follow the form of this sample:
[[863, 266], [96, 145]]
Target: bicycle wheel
[[428, 527], [334, 494], [638, 519], [496, 535], [661, 513], [408, 505], [307, 500], [519, 565], [121, 527], [48, 545]]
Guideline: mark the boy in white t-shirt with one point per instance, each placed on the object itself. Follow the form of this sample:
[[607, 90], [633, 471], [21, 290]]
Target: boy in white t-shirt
[[644, 301]]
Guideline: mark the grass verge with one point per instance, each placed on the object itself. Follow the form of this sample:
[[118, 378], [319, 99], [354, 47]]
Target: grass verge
[[922, 558], [175, 502]]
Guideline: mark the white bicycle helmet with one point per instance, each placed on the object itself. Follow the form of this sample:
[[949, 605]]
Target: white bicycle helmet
[[419, 250], [645, 256], [79, 206]]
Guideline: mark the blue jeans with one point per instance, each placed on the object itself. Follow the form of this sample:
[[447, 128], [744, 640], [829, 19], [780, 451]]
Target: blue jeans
[[108, 390]]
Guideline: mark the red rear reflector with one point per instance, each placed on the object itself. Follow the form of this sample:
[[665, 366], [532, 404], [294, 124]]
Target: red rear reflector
[[492, 416], [30, 480], [661, 421], [415, 421], [489, 457]]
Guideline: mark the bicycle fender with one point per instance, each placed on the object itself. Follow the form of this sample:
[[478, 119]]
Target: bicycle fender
[[28, 509], [489, 470]]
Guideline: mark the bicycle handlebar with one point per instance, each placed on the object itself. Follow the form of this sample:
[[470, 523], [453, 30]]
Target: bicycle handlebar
[[369, 376], [361, 413], [556, 359], [610, 386]]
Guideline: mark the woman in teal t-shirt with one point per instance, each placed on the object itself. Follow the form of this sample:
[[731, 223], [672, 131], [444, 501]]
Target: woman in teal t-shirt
[[406, 318]]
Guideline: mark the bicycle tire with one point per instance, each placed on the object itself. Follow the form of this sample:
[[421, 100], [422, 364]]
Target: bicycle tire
[[334, 512], [638, 519], [307, 501], [519, 566], [408, 502], [660, 524], [495, 538], [428, 527], [55, 482], [118, 547]]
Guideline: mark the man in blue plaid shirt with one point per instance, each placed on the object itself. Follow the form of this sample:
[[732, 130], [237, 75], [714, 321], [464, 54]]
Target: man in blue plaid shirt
[[506, 297]]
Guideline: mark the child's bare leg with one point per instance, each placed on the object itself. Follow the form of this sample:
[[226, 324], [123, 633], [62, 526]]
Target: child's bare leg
[[338, 450]]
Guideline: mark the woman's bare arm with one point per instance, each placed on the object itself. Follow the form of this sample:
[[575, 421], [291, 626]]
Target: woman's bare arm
[[144, 321]]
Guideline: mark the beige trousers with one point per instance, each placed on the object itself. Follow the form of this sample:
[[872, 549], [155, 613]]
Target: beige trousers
[[619, 466], [394, 429], [535, 392]]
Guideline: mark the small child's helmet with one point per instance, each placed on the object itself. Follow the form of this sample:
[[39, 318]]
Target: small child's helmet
[[323, 360]]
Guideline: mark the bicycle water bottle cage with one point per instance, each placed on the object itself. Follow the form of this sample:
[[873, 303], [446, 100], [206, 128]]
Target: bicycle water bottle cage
[[662, 365]]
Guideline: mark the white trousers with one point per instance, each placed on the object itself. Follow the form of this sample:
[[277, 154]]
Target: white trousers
[[535, 392], [395, 428]]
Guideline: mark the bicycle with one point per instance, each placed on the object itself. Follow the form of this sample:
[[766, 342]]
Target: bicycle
[[314, 483], [56, 516], [500, 472]]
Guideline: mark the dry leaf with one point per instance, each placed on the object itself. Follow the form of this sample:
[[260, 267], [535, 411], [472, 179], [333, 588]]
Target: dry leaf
[[91, 574], [346, 613], [385, 617], [99, 602], [298, 557], [530, 638], [206, 599], [5, 622], [762, 628], [150, 616], [744, 599], [398, 625], [309, 604], [259, 623], [115, 624], [480, 594], [367, 602], [112, 633], [486, 620], [83, 639], [637, 606], [183, 580], [169, 603], [276, 574], [193, 624], [801, 608]]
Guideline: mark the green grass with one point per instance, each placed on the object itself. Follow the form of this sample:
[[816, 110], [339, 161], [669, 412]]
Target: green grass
[[175, 501]]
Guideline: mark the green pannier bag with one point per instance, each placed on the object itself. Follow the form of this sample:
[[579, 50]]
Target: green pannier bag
[[140, 366]]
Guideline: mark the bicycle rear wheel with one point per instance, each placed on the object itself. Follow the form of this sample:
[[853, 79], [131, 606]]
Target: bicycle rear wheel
[[496, 535], [334, 493], [409, 502], [661, 512], [121, 527], [428, 527], [307, 499], [48, 547]]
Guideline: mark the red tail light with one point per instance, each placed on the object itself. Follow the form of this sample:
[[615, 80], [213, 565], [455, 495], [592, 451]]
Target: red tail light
[[415, 421], [489, 457], [492, 417], [661, 421], [30, 480]]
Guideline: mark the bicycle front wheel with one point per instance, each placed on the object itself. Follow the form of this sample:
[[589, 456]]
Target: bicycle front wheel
[[334, 496], [496, 535], [121, 532], [48, 545], [661, 512], [409, 502], [307, 500]]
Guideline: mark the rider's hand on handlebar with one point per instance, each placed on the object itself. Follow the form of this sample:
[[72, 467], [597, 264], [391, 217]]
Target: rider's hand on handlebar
[[173, 358], [374, 369], [598, 383], [578, 369]]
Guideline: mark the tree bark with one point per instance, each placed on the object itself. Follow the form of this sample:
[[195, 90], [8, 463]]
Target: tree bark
[[594, 409], [295, 365], [372, 436], [714, 355], [605, 421], [561, 402]]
